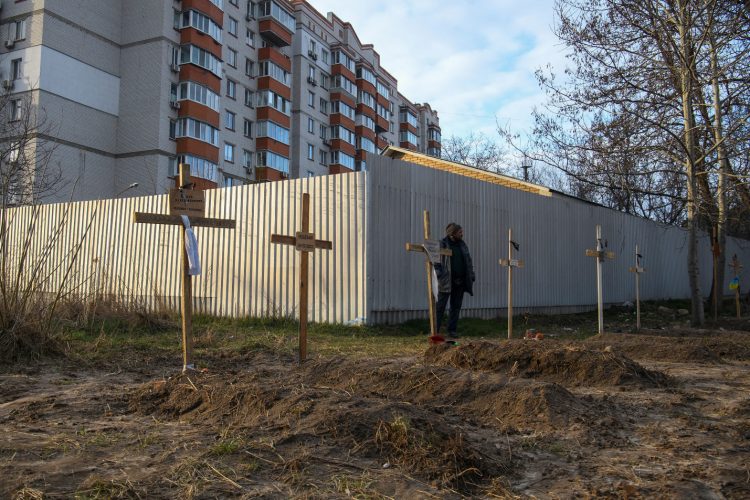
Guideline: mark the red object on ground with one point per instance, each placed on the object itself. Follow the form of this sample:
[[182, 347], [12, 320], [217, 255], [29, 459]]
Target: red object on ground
[[437, 339]]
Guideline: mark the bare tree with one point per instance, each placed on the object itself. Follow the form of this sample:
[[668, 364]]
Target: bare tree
[[476, 150]]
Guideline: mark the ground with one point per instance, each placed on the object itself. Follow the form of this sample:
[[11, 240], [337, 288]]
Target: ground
[[664, 412]]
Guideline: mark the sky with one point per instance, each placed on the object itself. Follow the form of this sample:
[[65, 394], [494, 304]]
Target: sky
[[472, 60]]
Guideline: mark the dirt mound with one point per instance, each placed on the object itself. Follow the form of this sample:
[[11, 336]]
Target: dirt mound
[[678, 346], [565, 364], [385, 432]]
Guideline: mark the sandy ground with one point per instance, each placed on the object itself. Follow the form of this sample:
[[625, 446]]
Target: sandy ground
[[662, 414]]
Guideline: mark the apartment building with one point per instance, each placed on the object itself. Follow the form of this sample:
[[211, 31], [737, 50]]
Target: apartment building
[[243, 91]]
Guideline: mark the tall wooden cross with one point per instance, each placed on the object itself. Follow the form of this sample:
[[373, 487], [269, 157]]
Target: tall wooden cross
[[510, 263], [432, 251], [638, 270], [304, 242], [185, 201], [737, 268], [600, 254]]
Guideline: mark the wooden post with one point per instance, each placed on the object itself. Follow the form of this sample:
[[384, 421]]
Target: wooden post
[[432, 251], [304, 242], [184, 201], [510, 263], [600, 254], [737, 267], [637, 270]]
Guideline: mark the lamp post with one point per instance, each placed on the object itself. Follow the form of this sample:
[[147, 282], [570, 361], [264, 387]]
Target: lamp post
[[526, 164]]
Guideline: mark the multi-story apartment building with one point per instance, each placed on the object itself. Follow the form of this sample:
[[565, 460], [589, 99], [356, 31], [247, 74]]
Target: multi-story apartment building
[[243, 91]]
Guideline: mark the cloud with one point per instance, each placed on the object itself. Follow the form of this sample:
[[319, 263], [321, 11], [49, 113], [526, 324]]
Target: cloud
[[472, 60]]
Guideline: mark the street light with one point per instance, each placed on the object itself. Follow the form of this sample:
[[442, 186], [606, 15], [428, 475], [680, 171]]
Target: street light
[[132, 186], [526, 164]]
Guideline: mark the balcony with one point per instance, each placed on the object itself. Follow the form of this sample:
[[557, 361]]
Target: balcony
[[275, 32]]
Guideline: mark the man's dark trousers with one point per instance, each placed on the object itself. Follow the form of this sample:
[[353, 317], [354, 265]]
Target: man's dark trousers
[[456, 296]]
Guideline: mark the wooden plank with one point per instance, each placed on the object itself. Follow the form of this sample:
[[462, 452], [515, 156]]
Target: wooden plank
[[176, 220], [283, 240]]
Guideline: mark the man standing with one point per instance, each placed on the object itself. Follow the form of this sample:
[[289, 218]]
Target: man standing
[[455, 277]]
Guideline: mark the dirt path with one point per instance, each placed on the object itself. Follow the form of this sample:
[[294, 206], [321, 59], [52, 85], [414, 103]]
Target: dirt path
[[617, 416]]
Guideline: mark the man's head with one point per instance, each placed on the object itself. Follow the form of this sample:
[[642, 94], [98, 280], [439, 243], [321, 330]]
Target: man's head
[[454, 231]]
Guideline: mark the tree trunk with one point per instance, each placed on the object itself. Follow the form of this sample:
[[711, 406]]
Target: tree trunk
[[686, 81], [721, 198]]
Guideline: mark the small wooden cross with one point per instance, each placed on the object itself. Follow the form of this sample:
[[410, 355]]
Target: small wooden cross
[[510, 263], [737, 268], [304, 242], [638, 270], [600, 254], [432, 251], [184, 201]]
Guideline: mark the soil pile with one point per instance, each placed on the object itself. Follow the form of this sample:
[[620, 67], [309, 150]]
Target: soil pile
[[682, 346], [552, 361]]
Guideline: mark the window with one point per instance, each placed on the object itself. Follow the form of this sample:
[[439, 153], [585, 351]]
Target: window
[[406, 116], [247, 128], [200, 57], [249, 67], [311, 98], [199, 21], [366, 74], [250, 38], [247, 158], [324, 55], [343, 133], [16, 68], [218, 3], [232, 26], [274, 100], [248, 98], [310, 152], [340, 81], [325, 80], [172, 129], [341, 158], [311, 72], [383, 112], [273, 131], [366, 98], [383, 90], [189, 127], [231, 57], [343, 108], [16, 109], [196, 92], [367, 145], [323, 157], [229, 119], [323, 106], [229, 152], [269, 68], [323, 131], [340, 57], [310, 125], [17, 30], [366, 121], [433, 134], [199, 167], [408, 136], [273, 160], [271, 8], [313, 49], [231, 89]]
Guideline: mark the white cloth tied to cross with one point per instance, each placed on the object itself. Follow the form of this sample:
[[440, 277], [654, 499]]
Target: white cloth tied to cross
[[191, 248], [433, 257]]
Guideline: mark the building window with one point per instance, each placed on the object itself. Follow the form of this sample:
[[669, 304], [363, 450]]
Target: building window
[[310, 125], [325, 80], [232, 26], [248, 98], [310, 152], [202, 58], [249, 67], [231, 89], [229, 119], [323, 157], [16, 68], [324, 55], [229, 152], [311, 99], [247, 158], [172, 129], [250, 38], [195, 92], [189, 127], [201, 22], [323, 106], [269, 68], [17, 30], [273, 160], [323, 131], [311, 72], [16, 109], [274, 131], [247, 128], [231, 57]]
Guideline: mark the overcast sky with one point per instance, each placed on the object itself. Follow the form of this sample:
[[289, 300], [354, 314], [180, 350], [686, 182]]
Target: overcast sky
[[472, 60]]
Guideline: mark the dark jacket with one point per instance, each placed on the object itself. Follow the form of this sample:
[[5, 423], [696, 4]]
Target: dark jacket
[[443, 270]]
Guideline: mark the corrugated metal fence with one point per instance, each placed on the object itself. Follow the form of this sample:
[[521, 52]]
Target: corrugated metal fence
[[553, 233], [243, 273]]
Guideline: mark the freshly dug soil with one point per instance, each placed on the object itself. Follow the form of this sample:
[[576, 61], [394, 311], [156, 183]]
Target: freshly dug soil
[[567, 364]]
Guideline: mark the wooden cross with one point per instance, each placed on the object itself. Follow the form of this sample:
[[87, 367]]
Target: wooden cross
[[600, 254], [737, 268], [183, 201], [304, 242], [638, 270], [432, 251], [510, 263]]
